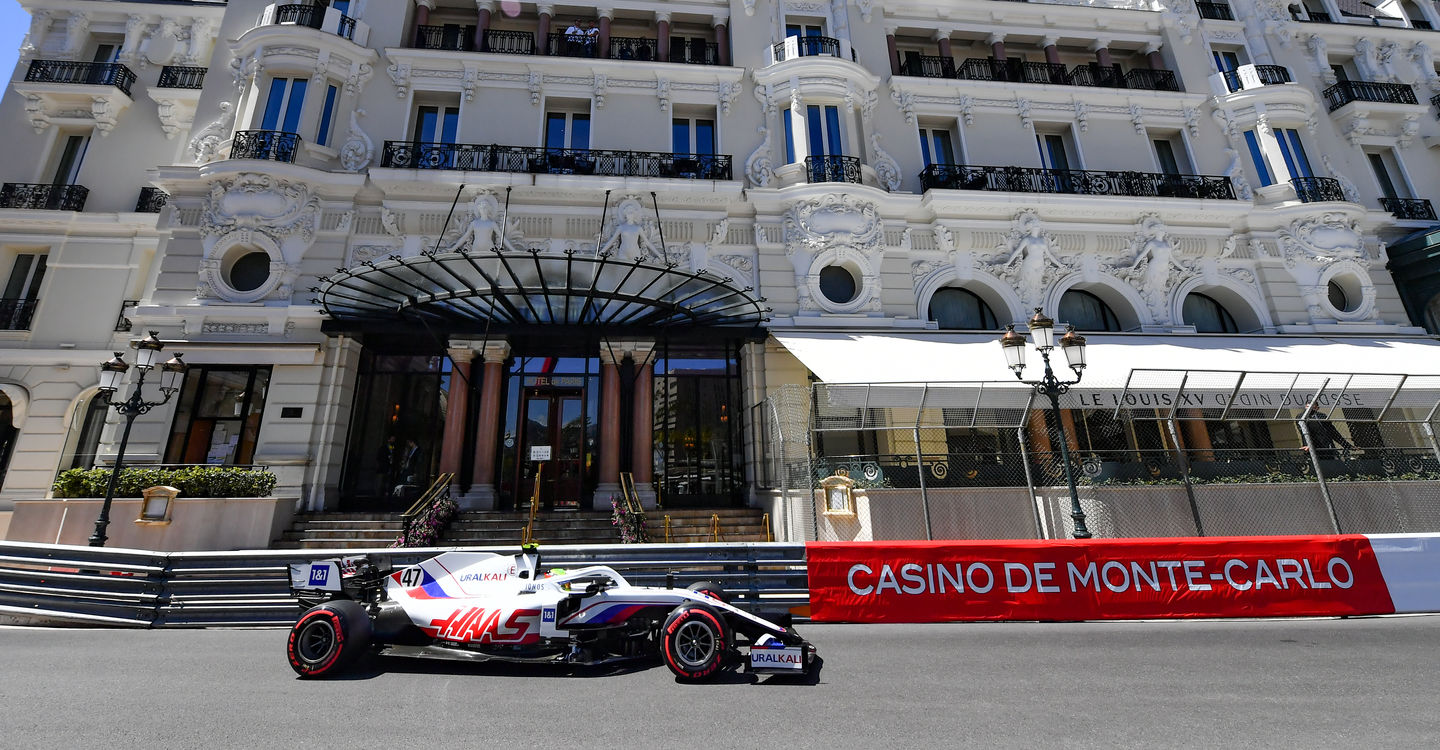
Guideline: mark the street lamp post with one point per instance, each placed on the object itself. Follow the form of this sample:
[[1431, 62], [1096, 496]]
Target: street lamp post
[[147, 352], [1073, 345]]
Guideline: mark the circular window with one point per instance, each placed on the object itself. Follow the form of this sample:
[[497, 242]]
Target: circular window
[[1339, 298], [250, 271], [837, 283]]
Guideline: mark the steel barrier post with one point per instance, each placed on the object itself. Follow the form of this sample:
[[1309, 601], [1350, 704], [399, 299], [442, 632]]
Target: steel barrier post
[[1035, 503], [920, 472], [1319, 473], [1185, 473]]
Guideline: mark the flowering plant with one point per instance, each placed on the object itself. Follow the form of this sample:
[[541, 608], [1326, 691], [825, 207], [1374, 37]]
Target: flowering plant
[[425, 529], [631, 525]]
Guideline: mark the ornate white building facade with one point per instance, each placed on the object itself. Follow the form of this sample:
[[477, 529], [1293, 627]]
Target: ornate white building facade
[[399, 239]]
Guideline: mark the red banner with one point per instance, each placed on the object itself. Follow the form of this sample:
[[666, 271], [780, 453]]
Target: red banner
[[1095, 579]]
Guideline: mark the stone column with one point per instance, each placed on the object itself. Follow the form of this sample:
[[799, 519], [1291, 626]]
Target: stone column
[[1052, 50], [893, 51], [799, 133], [602, 39], [1197, 438], [422, 16], [487, 428], [942, 40], [997, 47], [1101, 48], [542, 27], [1152, 54], [662, 33], [452, 444], [609, 483], [483, 9], [642, 456], [722, 40]]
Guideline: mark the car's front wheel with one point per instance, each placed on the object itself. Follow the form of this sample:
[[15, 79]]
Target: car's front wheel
[[327, 638], [695, 642]]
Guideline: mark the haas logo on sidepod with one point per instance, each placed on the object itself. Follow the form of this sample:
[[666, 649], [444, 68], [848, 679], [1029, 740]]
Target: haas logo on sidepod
[[481, 625]]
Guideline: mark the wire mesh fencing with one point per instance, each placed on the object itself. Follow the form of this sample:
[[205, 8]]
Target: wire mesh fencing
[[971, 462]]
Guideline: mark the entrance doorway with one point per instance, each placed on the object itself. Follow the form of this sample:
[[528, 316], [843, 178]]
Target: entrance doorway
[[553, 444]]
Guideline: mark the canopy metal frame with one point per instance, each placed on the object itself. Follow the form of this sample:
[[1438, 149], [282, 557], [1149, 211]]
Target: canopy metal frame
[[510, 289]]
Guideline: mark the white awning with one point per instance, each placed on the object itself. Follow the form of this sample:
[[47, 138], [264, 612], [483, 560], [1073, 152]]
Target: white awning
[[1200, 377], [940, 357]]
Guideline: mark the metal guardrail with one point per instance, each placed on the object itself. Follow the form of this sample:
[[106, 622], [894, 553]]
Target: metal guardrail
[[50, 584]]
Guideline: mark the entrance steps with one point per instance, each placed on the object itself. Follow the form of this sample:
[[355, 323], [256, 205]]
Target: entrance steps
[[500, 528], [487, 528], [341, 531]]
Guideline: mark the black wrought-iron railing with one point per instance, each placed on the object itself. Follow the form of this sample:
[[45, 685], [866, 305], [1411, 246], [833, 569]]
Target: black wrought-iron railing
[[1413, 209], [990, 69], [1419, 24], [634, 48], [811, 46], [1316, 189], [15, 314], [541, 160], [1344, 92], [1435, 102], [1316, 17], [1151, 80], [1269, 75], [1076, 181], [272, 145], [508, 42], [695, 51], [451, 37], [301, 15], [346, 28], [41, 196], [152, 199], [1094, 75], [929, 66], [92, 73], [181, 77], [123, 323], [1214, 11], [833, 168]]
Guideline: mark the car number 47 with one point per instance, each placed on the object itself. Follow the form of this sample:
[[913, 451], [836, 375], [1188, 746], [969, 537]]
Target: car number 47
[[411, 577]]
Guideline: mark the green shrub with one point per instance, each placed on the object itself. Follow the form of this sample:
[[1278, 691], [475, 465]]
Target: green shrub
[[192, 481]]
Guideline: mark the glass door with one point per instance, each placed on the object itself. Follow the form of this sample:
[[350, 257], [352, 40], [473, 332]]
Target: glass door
[[553, 446]]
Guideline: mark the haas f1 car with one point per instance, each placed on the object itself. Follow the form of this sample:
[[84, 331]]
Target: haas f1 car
[[484, 606]]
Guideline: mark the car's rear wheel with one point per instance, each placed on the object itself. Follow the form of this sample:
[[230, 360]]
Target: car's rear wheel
[[695, 642], [710, 589], [328, 638]]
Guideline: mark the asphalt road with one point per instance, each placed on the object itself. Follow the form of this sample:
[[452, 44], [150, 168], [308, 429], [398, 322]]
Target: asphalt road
[[1278, 683]]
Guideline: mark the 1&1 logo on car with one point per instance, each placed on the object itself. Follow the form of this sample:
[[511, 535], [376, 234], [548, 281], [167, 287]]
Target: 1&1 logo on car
[[319, 574]]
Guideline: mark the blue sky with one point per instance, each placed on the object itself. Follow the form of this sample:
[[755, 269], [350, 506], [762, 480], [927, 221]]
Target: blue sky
[[14, 22]]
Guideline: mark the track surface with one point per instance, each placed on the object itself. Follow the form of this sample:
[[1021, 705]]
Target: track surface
[[1293, 683]]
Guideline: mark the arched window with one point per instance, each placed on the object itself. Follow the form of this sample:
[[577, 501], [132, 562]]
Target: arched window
[[1207, 315], [961, 309], [1087, 312], [85, 427]]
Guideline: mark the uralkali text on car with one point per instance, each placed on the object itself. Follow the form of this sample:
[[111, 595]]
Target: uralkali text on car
[[480, 605]]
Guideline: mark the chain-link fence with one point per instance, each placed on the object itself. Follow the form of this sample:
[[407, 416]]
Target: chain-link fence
[[983, 461]]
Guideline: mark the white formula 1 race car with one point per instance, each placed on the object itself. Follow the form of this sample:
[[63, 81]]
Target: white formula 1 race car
[[484, 606]]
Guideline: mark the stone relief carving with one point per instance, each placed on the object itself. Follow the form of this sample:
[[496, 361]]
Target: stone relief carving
[[1346, 186], [206, 142], [1155, 269], [1367, 61], [905, 100], [358, 150], [1321, 240], [1235, 170], [1424, 61], [40, 21], [253, 212], [77, 34], [631, 234], [483, 230], [400, 75], [887, 170], [1082, 116], [1030, 263], [163, 43], [835, 229], [1320, 58], [726, 92]]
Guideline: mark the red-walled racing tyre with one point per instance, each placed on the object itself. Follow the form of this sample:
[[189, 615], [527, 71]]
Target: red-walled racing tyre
[[711, 589], [695, 642], [326, 639]]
